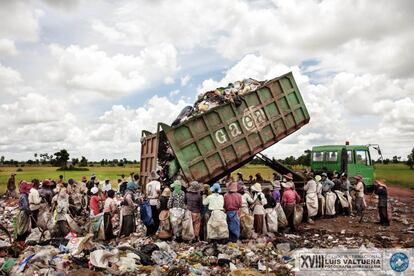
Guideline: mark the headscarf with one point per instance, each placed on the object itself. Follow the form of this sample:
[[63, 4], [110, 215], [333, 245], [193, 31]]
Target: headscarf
[[216, 188], [25, 187], [318, 178], [177, 187]]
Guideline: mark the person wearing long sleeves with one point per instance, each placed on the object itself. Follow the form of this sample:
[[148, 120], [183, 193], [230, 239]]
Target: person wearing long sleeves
[[247, 200], [311, 198], [359, 195], [321, 198], [215, 201], [232, 205], [177, 207], [110, 210], [276, 190], [259, 200], [194, 202], [128, 224], [217, 228], [289, 200], [23, 222], [34, 202], [153, 192], [382, 192]]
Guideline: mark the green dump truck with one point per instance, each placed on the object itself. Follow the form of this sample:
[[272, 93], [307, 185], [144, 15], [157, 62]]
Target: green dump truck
[[211, 145], [352, 159]]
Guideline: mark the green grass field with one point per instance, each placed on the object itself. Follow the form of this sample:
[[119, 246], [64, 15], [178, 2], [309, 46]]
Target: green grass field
[[394, 174], [29, 173]]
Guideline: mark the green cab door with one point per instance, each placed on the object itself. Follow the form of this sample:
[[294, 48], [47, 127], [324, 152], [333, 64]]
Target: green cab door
[[361, 165]]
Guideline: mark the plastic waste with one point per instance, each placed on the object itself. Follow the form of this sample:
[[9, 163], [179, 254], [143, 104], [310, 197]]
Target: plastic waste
[[8, 264], [101, 258]]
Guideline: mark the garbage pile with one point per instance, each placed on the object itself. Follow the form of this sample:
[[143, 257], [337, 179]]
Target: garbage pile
[[222, 95], [80, 254]]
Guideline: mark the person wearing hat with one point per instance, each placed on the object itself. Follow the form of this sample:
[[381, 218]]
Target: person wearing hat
[[359, 195], [289, 200], [34, 201], [165, 230], [232, 205], [327, 184], [153, 192], [380, 188], [247, 200], [176, 204], [61, 201], [311, 197], [23, 221], [259, 200], [165, 196], [194, 202], [288, 181], [11, 186], [128, 208]]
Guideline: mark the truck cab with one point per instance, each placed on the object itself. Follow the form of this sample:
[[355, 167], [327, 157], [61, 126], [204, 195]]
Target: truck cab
[[352, 159]]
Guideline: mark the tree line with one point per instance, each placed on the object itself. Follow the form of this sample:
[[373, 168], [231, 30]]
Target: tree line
[[62, 159]]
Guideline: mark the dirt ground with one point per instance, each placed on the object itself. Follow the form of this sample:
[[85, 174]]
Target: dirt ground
[[347, 231]]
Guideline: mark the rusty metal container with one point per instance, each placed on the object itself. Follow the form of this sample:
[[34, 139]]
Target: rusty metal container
[[221, 140]]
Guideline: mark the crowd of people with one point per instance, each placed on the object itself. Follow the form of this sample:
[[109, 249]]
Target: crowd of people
[[188, 211]]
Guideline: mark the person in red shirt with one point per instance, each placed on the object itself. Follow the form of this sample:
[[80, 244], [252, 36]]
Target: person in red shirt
[[289, 199], [232, 204], [94, 202]]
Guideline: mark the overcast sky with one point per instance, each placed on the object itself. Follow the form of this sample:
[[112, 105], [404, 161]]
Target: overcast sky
[[89, 76]]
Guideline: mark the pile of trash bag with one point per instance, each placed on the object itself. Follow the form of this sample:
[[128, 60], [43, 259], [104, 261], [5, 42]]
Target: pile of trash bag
[[231, 94]]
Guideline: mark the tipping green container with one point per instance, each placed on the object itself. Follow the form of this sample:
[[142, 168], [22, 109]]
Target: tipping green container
[[217, 142]]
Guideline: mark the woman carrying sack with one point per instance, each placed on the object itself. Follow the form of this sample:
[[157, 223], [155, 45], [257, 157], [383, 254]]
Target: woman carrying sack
[[232, 204], [23, 222], [271, 214], [176, 204], [128, 224], [194, 202], [259, 200], [217, 229], [165, 230]]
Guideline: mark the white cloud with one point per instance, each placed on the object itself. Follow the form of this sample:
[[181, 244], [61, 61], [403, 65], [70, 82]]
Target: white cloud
[[185, 80], [8, 76], [7, 47], [335, 105], [174, 92], [91, 69], [18, 21]]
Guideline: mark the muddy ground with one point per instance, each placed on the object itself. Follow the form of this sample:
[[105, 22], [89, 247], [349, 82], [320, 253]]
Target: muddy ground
[[349, 232]]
